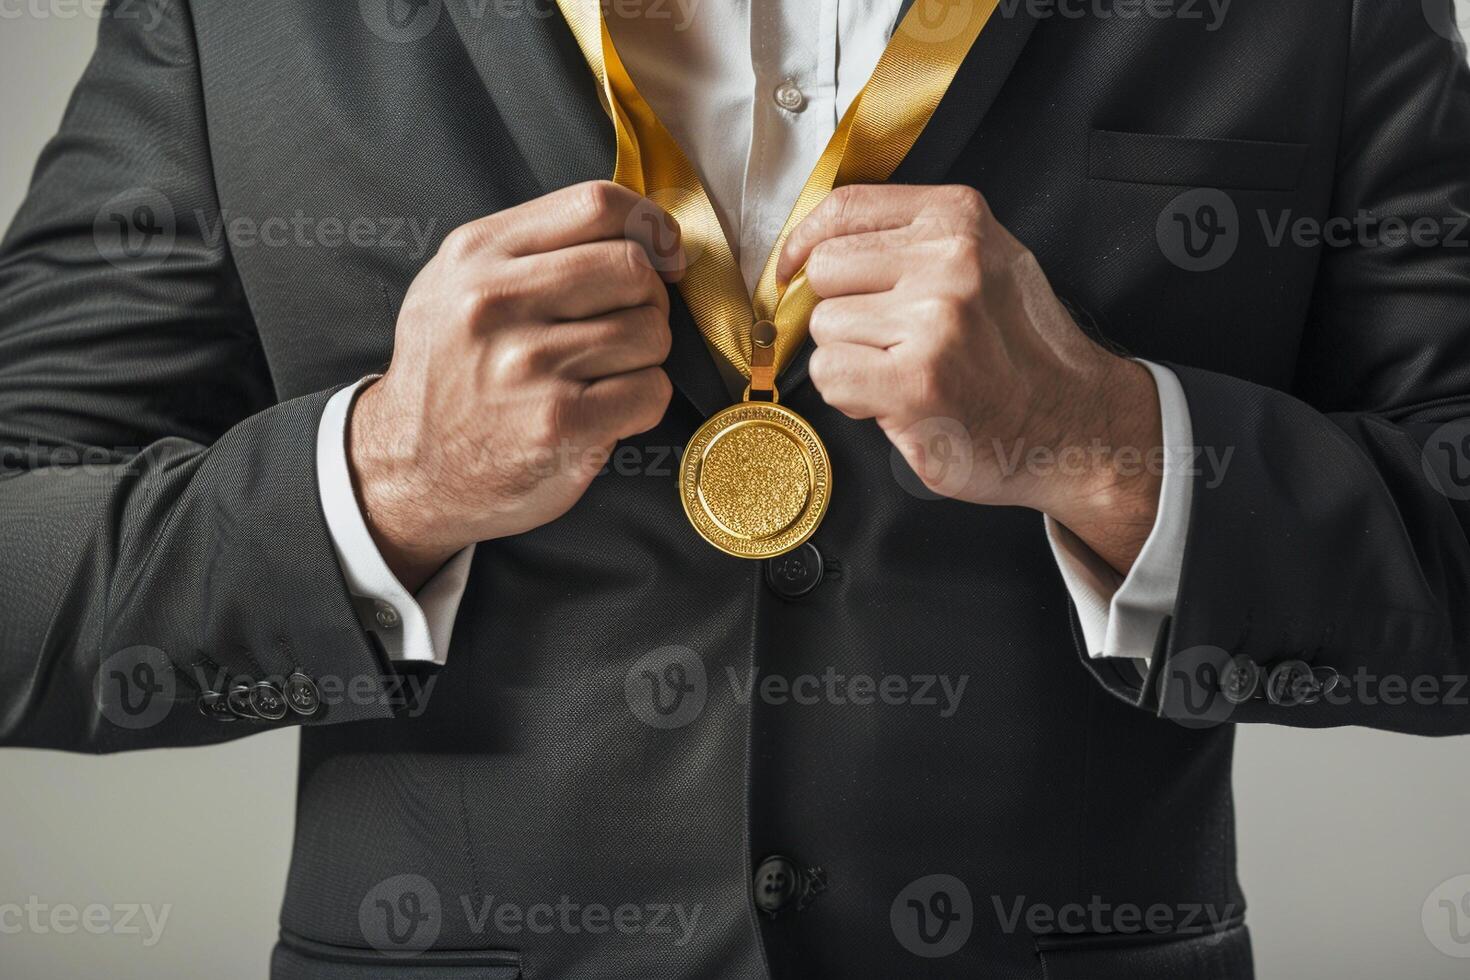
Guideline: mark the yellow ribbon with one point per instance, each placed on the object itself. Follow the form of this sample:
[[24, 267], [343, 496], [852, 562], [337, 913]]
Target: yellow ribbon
[[875, 134]]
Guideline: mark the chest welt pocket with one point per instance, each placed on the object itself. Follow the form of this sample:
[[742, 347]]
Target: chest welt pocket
[[1187, 161]]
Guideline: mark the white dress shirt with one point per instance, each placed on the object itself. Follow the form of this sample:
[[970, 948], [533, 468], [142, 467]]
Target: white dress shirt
[[752, 92]]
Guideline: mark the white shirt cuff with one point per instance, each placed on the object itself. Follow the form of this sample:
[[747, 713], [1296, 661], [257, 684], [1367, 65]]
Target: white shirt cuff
[[1121, 616], [410, 627]]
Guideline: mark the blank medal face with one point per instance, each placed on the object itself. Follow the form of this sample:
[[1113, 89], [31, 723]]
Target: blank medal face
[[755, 480]]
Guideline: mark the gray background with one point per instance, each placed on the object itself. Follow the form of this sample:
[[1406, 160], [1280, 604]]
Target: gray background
[[1343, 834]]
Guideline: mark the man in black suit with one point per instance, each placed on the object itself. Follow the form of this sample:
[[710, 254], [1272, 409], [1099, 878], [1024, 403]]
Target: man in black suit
[[909, 747]]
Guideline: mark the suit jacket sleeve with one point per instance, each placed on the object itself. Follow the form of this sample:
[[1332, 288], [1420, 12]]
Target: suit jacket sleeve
[[159, 519], [1338, 533]]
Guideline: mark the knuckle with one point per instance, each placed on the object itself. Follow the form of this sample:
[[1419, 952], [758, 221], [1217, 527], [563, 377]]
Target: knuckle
[[654, 326], [595, 199], [463, 242], [965, 198], [964, 252], [631, 260], [823, 367], [554, 417], [942, 312], [516, 360], [660, 391], [822, 323], [477, 302]]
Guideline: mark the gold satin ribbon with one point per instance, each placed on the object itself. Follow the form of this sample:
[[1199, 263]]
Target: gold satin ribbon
[[875, 134]]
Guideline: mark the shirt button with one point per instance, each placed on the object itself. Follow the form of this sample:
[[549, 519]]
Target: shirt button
[[789, 97], [385, 614], [795, 573]]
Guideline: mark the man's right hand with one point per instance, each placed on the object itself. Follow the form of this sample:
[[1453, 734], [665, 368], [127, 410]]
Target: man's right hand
[[525, 349]]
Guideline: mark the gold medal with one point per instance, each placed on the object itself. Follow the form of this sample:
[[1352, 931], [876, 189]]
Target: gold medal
[[755, 480]]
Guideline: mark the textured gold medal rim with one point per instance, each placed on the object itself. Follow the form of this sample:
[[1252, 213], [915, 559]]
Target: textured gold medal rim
[[798, 531]]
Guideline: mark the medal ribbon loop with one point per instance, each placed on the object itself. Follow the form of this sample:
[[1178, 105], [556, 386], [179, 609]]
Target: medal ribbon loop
[[875, 134]]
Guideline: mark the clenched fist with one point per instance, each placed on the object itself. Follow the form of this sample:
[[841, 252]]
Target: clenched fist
[[935, 321], [524, 351]]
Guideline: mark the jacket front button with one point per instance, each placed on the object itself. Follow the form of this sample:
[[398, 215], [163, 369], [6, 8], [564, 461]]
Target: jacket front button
[[775, 884], [795, 573]]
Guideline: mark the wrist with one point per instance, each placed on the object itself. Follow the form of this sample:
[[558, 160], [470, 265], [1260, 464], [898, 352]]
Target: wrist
[[386, 480], [1112, 502]]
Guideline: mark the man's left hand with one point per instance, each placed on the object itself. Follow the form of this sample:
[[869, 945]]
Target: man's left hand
[[938, 324]]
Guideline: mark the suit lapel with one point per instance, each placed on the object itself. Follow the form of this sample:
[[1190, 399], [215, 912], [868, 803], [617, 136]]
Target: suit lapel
[[960, 113], [546, 94]]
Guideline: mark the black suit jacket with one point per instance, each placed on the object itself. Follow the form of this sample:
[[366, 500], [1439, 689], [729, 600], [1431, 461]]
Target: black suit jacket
[[161, 383]]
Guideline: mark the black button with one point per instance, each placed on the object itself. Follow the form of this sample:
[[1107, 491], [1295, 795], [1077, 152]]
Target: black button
[[238, 701], [268, 701], [302, 694], [212, 705], [795, 573], [1291, 683], [776, 883], [1241, 681]]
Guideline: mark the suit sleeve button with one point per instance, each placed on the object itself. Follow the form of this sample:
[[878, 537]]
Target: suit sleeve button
[[267, 701], [212, 705], [238, 701], [1291, 683], [302, 695], [1241, 680]]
